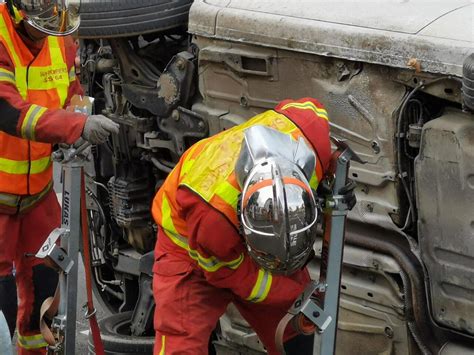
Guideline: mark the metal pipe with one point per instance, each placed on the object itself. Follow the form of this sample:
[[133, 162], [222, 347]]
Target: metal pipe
[[396, 245]]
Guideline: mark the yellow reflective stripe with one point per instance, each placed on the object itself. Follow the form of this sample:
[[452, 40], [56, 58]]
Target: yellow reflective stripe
[[308, 105], [20, 70], [228, 193], [31, 200], [7, 76], [262, 287], [40, 165], [72, 74], [18, 17], [32, 342], [211, 264], [21, 82], [188, 162], [58, 61], [6, 37], [187, 165], [168, 225], [31, 119], [163, 345], [22, 167], [14, 167], [314, 182]]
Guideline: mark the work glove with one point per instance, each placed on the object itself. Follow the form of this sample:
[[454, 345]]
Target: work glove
[[347, 192], [98, 128]]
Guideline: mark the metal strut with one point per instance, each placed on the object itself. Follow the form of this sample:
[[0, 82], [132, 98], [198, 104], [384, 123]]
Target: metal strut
[[317, 308], [61, 337]]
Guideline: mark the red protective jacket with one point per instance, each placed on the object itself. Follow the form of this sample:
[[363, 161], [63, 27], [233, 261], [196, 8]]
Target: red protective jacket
[[210, 233], [55, 125]]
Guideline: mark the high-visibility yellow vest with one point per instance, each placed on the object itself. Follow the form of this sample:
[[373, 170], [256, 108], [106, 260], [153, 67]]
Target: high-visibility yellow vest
[[208, 169], [44, 80]]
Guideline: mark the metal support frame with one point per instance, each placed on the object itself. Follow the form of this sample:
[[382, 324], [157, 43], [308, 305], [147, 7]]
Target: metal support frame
[[65, 257], [333, 245], [319, 303]]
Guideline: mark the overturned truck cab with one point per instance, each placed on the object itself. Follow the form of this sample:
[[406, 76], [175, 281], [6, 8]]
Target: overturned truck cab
[[398, 82]]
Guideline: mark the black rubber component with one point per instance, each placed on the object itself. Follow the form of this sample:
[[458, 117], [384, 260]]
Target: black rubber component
[[8, 301], [122, 18], [45, 281], [468, 82], [300, 345], [115, 332]]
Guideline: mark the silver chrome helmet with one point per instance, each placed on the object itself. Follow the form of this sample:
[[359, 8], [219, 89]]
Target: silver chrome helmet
[[52, 17], [277, 210]]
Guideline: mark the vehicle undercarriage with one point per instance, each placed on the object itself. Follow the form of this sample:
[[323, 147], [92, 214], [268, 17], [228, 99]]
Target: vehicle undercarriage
[[408, 281]]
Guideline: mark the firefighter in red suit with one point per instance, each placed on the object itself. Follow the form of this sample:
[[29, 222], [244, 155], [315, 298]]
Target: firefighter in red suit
[[37, 81], [236, 224]]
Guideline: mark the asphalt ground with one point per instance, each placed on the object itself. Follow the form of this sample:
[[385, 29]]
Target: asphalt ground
[[82, 324]]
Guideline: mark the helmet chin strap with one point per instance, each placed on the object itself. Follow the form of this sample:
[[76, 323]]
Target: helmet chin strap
[[33, 33]]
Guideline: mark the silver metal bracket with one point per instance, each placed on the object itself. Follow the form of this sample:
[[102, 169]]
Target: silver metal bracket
[[319, 303], [306, 305]]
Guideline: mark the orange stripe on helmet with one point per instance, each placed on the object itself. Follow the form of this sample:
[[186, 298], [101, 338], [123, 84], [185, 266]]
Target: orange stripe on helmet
[[254, 188], [269, 182]]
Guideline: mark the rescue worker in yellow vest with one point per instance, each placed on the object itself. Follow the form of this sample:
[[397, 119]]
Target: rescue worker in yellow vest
[[37, 81], [237, 220]]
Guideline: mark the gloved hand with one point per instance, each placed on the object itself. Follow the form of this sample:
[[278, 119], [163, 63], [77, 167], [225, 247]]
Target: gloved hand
[[347, 193], [98, 128]]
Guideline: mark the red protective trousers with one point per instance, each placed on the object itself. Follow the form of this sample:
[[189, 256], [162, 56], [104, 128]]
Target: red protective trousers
[[20, 237], [188, 309]]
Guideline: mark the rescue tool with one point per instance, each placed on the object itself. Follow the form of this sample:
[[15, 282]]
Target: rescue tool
[[61, 308], [316, 309]]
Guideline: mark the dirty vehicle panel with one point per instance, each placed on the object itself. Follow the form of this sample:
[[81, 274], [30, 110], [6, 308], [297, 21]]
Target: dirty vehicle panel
[[391, 80]]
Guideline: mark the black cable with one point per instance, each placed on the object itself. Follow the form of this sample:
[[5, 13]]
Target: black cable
[[422, 85]]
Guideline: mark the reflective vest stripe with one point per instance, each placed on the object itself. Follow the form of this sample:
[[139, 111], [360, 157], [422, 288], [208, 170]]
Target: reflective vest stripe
[[9, 200], [210, 264], [29, 201], [16, 167], [262, 287], [188, 158], [9, 43], [72, 75], [314, 182], [31, 119], [228, 193], [23, 202], [40, 165], [7, 76], [32, 342], [308, 105], [163, 345]]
